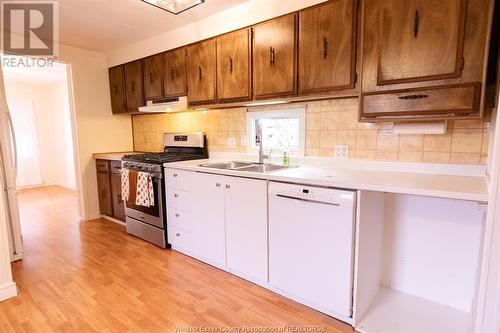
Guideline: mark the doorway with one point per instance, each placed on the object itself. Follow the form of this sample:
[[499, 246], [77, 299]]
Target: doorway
[[44, 146]]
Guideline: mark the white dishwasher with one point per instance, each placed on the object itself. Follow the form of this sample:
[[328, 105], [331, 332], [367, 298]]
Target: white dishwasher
[[311, 242]]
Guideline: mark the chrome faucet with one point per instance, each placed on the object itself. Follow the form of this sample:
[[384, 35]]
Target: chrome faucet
[[258, 140]]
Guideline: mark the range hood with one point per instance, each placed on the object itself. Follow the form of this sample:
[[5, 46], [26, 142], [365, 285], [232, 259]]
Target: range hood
[[164, 105]]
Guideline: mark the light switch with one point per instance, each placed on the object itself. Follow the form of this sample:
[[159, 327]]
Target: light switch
[[342, 151]]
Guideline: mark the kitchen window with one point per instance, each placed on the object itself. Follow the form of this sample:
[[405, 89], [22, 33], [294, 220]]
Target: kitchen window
[[281, 130]]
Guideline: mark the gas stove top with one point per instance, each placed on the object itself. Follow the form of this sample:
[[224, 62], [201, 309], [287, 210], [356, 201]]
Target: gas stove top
[[160, 158]]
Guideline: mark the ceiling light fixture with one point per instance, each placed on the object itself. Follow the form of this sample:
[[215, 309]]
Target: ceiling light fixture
[[174, 6]]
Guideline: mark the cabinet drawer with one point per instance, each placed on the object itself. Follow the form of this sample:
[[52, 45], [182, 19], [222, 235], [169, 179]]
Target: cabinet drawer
[[178, 179], [102, 165], [181, 240], [116, 166], [432, 102], [179, 219], [179, 199]]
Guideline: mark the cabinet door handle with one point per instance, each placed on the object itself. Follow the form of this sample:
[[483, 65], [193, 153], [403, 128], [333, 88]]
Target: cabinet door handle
[[217, 184], [231, 65], [271, 55], [416, 22], [132, 86], [228, 186], [172, 74], [176, 214], [119, 198], [325, 47], [199, 73], [417, 96]]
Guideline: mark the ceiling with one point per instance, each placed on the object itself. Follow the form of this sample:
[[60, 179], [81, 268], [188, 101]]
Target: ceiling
[[104, 25], [24, 71]]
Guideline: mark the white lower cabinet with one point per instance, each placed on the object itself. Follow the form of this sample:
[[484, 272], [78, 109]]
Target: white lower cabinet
[[246, 227], [220, 220]]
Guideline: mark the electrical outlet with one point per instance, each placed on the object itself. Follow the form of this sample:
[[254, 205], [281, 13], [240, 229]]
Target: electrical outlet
[[342, 151], [243, 140], [231, 142]]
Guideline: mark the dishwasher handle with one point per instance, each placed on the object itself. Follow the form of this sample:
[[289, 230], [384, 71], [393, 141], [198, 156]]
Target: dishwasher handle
[[308, 200]]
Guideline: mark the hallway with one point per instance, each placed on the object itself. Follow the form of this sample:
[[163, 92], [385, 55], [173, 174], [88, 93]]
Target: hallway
[[93, 277]]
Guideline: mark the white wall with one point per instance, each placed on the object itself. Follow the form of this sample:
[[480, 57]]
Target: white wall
[[7, 286], [97, 130], [248, 13], [51, 106]]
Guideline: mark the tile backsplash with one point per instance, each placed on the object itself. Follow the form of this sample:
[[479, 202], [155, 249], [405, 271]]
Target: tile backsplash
[[328, 123]]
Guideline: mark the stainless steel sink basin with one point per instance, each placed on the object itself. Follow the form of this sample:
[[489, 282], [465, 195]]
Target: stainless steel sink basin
[[230, 165], [244, 166]]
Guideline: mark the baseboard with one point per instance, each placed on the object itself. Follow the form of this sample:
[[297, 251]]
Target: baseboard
[[7, 291], [109, 218]]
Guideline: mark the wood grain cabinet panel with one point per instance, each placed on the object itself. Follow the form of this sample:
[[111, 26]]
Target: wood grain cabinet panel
[[117, 89], [275, 57], [133, 84], [420, 40], [175, 73], [327, 47], [104, 193], [201, 72], [234, 66], [153, 76]]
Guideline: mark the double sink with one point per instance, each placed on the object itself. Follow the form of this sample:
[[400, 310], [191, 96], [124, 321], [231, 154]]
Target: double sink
[[245, 166]]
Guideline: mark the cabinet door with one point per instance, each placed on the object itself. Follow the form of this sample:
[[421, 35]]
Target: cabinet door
[[104, 193], [175, 73], [208, 219], [116, 195], [420, 40], [233, 66], [327, 46], [274, 57], [153, 76], [117, 89], [133, 85], [246, 227], [201, 72]]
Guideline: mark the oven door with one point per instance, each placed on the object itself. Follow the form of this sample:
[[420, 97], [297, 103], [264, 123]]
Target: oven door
[[150, 215]]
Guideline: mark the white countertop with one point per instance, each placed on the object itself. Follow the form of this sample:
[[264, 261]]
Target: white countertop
[[432, 181]]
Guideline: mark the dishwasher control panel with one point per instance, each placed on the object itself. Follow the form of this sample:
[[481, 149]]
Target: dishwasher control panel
[[312, 193]]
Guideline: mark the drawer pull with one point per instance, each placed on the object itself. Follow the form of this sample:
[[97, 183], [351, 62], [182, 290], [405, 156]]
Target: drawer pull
[[178, 234], [176, 195], [217, 184], [175, 175], [418, 96], [416, 22], [228, 186], [176, 214]]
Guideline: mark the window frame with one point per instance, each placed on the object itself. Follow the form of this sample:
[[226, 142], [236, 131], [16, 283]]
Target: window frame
[[295, 112]]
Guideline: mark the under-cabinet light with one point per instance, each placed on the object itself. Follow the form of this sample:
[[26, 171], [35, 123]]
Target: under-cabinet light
[[265, 103]]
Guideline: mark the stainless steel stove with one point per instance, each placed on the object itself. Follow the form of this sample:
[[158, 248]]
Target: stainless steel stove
[[150, 223]]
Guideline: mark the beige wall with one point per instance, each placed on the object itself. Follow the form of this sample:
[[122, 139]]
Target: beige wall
[[245, 14], [328, 123], [97, 130]]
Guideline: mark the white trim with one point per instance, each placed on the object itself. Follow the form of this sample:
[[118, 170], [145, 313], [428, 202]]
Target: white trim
[[292, 112], [7, 291]]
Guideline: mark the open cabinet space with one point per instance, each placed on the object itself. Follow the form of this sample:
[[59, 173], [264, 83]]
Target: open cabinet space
[[417, 263]]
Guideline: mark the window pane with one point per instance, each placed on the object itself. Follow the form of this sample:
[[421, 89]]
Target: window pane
[[281, 132]]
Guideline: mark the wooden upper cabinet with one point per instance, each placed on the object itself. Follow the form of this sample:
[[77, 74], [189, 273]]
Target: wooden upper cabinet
[[153, 76], [201, 73], [275, 57], [327, 47], [175, 73], [234, 66], [420, 40], [117, 89], [133, 85]]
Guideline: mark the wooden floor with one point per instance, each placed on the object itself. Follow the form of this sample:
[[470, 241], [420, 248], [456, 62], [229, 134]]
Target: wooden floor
[[93, 277]]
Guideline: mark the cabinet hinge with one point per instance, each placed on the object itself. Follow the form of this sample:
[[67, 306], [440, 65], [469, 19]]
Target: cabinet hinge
[[462, 64]]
